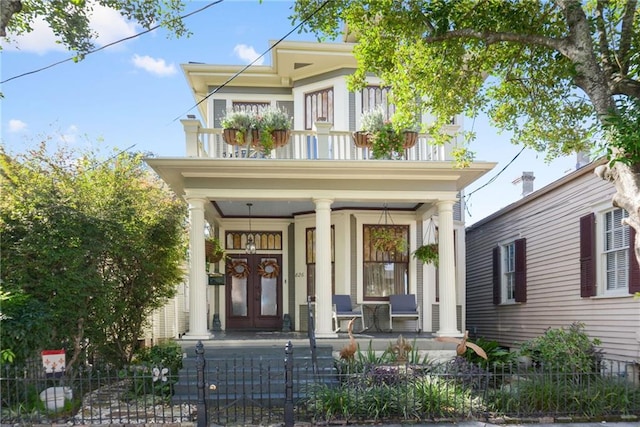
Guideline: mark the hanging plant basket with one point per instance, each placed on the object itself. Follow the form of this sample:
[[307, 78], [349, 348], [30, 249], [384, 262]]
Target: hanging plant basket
[[410, 139], [362, 139], [427, 253], [213, 251]]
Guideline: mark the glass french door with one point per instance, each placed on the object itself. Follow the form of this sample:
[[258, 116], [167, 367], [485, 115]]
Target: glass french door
[[254, 292]]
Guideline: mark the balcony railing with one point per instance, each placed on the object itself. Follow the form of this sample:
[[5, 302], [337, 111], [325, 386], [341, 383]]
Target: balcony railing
[[303, 145]]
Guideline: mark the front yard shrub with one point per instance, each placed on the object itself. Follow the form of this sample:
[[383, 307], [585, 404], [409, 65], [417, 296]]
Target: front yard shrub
[[565, 349]]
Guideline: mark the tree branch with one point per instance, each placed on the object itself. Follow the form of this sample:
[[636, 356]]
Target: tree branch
[[625, 36], [8, 8], [491, 37]]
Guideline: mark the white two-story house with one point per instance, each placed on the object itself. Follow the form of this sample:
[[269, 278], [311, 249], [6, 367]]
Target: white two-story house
[[310, 205]]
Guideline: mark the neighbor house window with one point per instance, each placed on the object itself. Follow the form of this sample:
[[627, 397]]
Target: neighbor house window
[[510, 272], [318, 105], [616, 251], [385, 272], [311, 262], [607, 259]]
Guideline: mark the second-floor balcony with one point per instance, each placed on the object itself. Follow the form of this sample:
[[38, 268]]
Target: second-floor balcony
[[323, 143]]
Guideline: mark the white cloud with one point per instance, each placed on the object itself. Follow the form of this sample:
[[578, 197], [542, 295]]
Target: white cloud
[[247, 54], [16, 125], [70, 136], [108, 23], [154, 66]]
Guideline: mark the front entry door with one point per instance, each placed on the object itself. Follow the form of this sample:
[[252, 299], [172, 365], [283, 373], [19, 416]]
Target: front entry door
[[254, 292]]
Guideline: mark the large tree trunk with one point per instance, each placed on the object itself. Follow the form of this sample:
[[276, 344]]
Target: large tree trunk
[[7, 9], [627, 182]]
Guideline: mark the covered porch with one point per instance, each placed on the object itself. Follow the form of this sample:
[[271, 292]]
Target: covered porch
[[292, 195]]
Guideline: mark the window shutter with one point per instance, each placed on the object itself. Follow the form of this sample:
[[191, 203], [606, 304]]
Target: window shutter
[[634, 268], [496, 275], [521, 270], [587, 256]]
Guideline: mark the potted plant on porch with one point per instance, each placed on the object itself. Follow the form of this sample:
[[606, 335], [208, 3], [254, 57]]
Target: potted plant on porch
[[213, 251], [387, 239], [236, 125], [274, 126], [428, 254]]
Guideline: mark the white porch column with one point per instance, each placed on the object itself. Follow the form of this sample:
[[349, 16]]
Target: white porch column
[[323, 269], [446, 271], [191, 128], [197, 273]]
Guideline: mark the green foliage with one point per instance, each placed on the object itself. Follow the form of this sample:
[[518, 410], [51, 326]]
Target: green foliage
[[570, 350], [545, 394], [496, 354], [387, 142], [622, 130], [70, 20], [94, 245], [373, 120], [427, 253], [388, 239], [155, 370], [524, 64]]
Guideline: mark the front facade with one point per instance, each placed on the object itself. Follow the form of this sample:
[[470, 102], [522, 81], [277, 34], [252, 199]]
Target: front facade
[[310, 206], [558, 256]]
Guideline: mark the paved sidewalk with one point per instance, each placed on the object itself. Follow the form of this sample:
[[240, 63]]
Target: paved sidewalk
[[485, 424]]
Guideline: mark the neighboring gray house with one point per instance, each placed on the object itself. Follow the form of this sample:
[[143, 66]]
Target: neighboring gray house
[[557, 256]]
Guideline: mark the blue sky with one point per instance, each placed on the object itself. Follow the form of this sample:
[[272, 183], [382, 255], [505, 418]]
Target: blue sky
[[134, 93]]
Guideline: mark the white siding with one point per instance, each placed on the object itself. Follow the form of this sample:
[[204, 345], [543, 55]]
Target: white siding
[[549, 220]]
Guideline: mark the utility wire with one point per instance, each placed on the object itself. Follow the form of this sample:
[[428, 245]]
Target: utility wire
[[245, 68], [110, 44], [493, 178]]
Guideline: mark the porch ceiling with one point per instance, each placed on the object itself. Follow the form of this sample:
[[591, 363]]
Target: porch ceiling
[[282, 188]]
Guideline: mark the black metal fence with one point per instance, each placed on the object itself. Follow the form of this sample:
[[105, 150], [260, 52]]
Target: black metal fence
[[303, 385]]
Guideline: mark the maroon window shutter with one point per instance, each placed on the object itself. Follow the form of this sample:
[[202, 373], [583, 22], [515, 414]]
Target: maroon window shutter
[[634, 268], [521, 270], [497, 285], [587, 256]]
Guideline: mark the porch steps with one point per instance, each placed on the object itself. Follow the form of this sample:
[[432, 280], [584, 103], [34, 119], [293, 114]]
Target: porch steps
[[251, 368], [251, 373]]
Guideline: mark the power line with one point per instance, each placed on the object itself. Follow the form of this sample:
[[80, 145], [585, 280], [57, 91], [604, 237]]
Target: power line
[[493, 178], [110, 44], [245, 68]]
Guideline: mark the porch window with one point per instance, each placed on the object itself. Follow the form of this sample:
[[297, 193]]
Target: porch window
[[376, 96], [311, 262], [616, 251], [318, 105], [385, 272]]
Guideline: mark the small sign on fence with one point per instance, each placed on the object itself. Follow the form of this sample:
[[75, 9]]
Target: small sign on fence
[[53, 362]]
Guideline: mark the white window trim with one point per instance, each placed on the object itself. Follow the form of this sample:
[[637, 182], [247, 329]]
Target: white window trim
[[601, 268], [503, 283]]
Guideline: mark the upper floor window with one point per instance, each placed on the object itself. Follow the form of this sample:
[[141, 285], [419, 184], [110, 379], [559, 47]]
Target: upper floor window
[[253, 107], [385, 272], [510, 272], [376, 96], [318, 105], [607, 259]]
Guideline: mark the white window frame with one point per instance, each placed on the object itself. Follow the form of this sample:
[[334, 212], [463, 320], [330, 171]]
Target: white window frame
[[602, 252], [508, 272]]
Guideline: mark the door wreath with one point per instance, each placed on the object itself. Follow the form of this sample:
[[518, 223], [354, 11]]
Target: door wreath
[[238, 269], [269, 269]]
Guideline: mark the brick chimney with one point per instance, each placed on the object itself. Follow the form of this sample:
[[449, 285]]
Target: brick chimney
[[527, 182]]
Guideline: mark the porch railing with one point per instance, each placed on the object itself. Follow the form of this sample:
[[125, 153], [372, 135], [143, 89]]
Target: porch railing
[[303, 145]]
